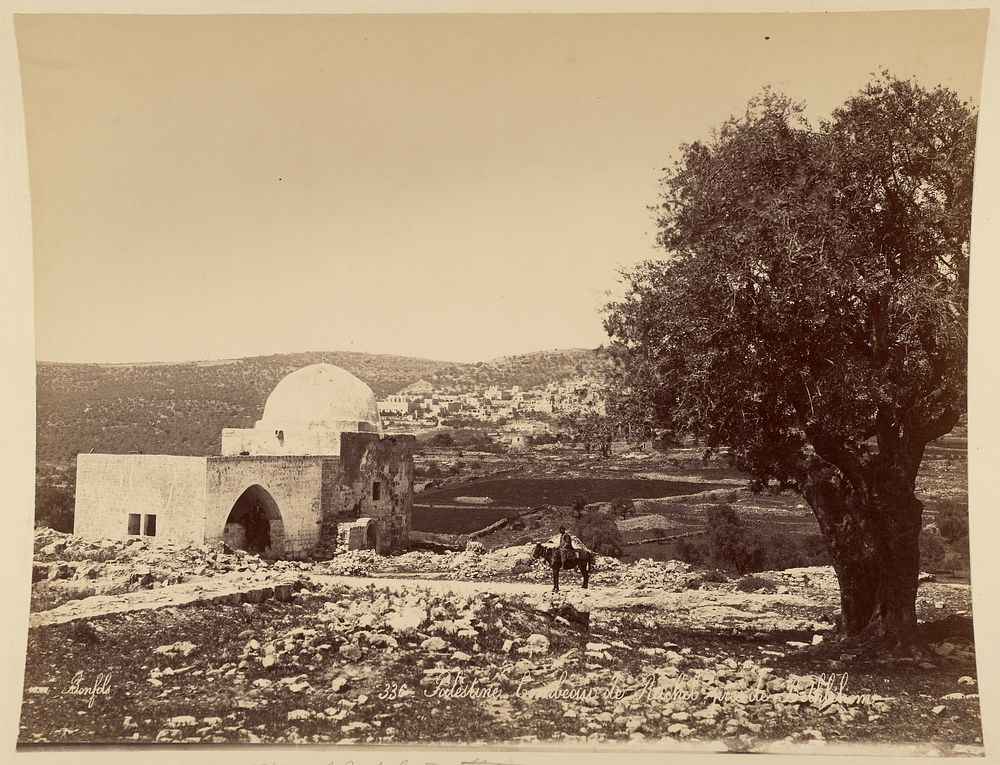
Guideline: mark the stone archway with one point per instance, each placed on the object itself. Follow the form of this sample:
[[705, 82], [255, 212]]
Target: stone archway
[[269, 530]]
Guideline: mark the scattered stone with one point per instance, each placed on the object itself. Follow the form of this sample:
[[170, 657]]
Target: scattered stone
[[536, 643], [406, 620], [183, 649], [350, 651]]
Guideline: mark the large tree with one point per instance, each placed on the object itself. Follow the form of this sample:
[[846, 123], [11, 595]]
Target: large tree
[[810, 314]]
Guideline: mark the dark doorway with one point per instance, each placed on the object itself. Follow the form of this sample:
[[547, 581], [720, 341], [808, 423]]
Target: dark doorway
[[254, 524]]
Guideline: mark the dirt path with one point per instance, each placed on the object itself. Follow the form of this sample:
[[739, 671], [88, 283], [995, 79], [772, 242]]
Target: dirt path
[[694, 607], [235, 588]]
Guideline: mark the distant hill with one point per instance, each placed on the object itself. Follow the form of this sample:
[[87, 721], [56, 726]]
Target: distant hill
[[526, 370], [181, 408]]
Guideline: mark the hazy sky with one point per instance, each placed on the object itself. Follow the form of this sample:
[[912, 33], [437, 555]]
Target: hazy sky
[[453, 187]]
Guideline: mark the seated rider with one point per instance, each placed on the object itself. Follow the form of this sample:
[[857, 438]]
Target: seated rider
[[566, 545]]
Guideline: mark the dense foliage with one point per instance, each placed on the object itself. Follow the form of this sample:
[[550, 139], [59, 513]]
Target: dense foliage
[[810, 315], [599, 532], [733, 545], [54, 508]]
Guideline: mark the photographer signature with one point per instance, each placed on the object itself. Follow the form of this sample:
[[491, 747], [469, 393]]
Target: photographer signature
[[100, 687]]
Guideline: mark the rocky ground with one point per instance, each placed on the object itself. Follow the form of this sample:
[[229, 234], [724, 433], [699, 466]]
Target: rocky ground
[[135, 642]]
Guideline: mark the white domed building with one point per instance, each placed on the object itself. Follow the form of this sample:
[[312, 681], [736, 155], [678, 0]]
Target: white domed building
[[315, 473]]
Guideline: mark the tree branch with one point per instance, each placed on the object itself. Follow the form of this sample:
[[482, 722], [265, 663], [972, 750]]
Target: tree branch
[[938, 426], [836, 452]]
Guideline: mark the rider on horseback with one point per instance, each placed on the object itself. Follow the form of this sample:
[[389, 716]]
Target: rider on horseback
[[566, 550]]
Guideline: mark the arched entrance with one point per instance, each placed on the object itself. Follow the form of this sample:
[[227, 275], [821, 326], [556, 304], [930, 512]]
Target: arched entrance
[[254, 524], [361, 534]]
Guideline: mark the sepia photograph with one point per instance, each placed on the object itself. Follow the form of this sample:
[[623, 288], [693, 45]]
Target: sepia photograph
[[541, 382]]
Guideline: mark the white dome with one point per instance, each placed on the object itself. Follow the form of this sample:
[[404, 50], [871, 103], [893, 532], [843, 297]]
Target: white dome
[[318, 394]]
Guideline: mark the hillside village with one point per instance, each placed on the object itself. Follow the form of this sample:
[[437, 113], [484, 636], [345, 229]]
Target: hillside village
[[527, 410]]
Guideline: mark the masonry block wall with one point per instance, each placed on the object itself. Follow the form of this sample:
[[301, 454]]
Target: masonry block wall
[[322, 439], [374, 479], [294, 483], [167, 489], [190, 499]]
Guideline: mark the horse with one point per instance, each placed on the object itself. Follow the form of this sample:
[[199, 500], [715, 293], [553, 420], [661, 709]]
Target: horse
[[583, 562]]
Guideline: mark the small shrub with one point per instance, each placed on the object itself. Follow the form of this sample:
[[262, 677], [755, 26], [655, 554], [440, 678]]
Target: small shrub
[[953, 563], [784, 552], [814, 549], [933, 548], [443, 439], [691, 552], [84, 632], [622, 507], [712, 576], [731, 545], [953, 520], [54, 508], [599, 532], [754, 584]]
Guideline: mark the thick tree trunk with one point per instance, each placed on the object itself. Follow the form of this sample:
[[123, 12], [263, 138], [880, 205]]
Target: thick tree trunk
[[873, 540], [897, 592]]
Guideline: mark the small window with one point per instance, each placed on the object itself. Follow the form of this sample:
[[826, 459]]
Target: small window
[[133, 524], [376, 490], [149, 528]]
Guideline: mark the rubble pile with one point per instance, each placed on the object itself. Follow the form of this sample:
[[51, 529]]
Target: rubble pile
[[352, 563], [473, 563], [505, 562], [127, 565], [671, 575], [820, 577]]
